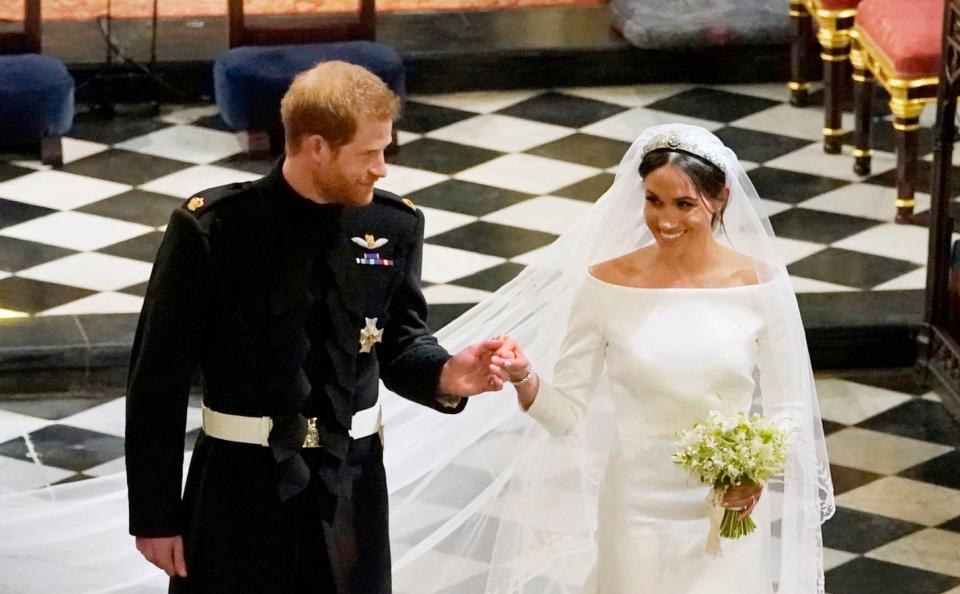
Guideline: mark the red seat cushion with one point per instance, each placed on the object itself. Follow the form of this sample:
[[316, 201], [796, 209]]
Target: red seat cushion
[[907, 32], [838, 4]]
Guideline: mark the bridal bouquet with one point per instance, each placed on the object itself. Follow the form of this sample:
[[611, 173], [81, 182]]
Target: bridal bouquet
[[726, 451]]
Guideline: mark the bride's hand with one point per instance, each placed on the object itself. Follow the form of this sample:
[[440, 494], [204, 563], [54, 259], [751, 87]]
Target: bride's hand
[[516, 368], [743, 497]]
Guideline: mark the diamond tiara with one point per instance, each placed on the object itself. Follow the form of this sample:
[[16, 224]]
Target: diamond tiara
[[674, 141]]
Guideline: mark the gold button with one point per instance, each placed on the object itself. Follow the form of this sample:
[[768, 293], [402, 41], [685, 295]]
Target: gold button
[[195, 203]]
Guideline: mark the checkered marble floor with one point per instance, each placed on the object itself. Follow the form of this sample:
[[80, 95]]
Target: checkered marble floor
[[894, 449], [498, 174]]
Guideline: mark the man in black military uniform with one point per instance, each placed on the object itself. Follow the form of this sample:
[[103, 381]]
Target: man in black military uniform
[[294, 295]]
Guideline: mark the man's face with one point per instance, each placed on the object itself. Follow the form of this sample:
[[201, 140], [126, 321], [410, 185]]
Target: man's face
[[346, 175]]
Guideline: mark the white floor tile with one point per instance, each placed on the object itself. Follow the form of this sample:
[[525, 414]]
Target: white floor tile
[[58, 189], [438, 294], [834, 558], [438, 221], [875, 451], [862, 200], [187, 115], [777, 91], [477, 101], [404, 137], [73, 150], [527, 173], [114, 466], [98, 272], [186, 143], [909, 281], [931, 550], [442, 264], [531, 257], [501, 133], [109, 418], [628, 125], [404, 180], [9, 313], [546, 213], [793, 121], [904, 499], [629, 95], [13, 425], [772, 207], [187, 182], [850, 403], [809, 285], [101, 303], [811, 159], [902, 242], [20, 475], [75, 230], [792, 250]]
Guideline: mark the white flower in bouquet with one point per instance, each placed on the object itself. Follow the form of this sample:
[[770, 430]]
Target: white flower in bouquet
[[727, 451]]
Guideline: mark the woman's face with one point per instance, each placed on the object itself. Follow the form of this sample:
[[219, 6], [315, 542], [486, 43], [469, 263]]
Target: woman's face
[[674, 211]]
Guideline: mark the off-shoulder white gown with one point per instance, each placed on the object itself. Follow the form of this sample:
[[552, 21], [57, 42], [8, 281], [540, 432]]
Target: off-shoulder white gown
[[671, 356]]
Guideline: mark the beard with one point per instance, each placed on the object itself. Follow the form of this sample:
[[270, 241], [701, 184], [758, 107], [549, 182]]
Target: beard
[[337, 188]]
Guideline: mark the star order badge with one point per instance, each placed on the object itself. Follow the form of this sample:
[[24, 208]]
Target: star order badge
[[370, 335]]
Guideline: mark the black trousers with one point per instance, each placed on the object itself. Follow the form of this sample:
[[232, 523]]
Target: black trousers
[[241, 538]]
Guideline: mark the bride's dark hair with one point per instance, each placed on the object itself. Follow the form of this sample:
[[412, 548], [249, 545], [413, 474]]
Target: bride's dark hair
[[707, 177]]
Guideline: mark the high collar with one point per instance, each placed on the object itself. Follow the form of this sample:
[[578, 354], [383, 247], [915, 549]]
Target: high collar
[[281, 190]]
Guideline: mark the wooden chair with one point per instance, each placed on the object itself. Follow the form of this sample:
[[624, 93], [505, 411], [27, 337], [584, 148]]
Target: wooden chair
[[940, 335], [897, 44], [833, 19]]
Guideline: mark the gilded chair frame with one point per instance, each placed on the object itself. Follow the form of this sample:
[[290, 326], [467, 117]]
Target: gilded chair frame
[[908, 96], [833, 36]]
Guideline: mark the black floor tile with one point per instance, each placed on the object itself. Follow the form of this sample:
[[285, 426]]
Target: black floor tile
[[952, 525], [884, 138], [847, 479], [109, 329], [63, 446], [869, 576], [467, 197], [18, 254], [107, 129], [143, 247], [244, 162], [849, 268], [584, 149], [441, 314], [60, 332], [491, 278], [919, 419], [563, 110], [832, 427], [751, 145], [943, 470], [711, 104], [136, 206], [493, 239], [859, 532], [126, 167], [73, 478], [789, 186], [9, 171], [14, 213], [818, 226], [440, 156], [30, 296], [588, 190], [139, 290], [921, 181], [421, 118], [903, 380]]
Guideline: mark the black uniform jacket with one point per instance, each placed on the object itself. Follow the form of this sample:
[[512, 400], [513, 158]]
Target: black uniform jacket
[[267, 292]]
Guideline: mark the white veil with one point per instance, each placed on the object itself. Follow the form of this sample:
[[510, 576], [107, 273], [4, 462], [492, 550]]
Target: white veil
[[485, 501], [488, 502]]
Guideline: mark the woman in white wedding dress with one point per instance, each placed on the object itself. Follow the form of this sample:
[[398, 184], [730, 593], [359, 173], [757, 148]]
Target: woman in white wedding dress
[[677, 326]]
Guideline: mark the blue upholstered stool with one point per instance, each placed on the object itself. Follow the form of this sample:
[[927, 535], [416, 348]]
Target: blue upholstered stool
[[36, 103], [250, 81]]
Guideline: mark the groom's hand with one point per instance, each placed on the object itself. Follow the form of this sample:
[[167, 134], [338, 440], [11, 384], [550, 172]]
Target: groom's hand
[[471, 371], [164, 552]]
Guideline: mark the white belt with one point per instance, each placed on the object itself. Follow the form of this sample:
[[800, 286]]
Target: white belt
[[256, 430]]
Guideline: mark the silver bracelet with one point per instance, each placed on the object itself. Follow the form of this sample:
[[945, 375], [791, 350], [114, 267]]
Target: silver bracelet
[[526, 377]]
